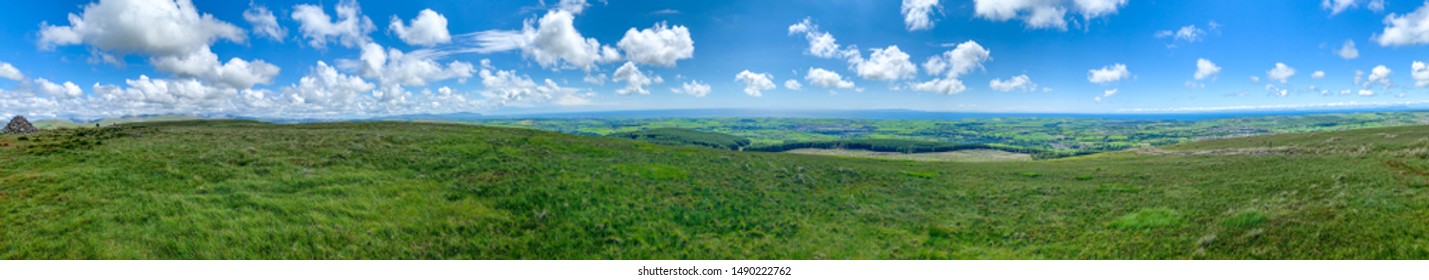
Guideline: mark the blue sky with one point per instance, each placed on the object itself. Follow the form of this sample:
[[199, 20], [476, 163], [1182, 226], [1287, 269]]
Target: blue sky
[[345, 59]]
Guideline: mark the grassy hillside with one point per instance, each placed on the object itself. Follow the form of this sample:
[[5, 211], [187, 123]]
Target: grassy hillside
[[63, 123], [55, 124], [1412, 141], [159, 118], [229, 189]]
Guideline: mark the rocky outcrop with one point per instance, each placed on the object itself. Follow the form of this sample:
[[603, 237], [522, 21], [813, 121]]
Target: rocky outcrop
[[19, 125]]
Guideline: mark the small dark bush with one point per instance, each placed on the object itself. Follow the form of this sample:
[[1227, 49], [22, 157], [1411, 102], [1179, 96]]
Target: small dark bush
[[685, 137]]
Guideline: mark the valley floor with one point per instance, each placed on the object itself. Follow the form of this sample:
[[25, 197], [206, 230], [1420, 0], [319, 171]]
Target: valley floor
[[976, 155]]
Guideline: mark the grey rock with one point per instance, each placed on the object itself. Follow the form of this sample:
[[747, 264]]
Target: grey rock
[[19, 125]]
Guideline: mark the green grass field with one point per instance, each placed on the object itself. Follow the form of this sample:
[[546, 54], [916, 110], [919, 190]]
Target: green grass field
[[246, 190]]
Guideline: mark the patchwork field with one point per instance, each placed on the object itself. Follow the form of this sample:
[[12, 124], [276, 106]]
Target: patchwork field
[[977, 155], [399, 190], [1061, 135]]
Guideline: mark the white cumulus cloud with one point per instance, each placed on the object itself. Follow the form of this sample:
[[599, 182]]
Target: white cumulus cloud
[[827, 79], [66, 90], [428, 29], [917, 14], [185, 93], [10, 72], [1108, 74], [349, 30], [1380, 75], [552, 41], [175, 36], [1348, 51], [886, 64], [1420, 72], [1019, 82], [153, 27], [327, 90], [1405, 30], [1206, 69], [963, 59], [506, 86], [695, 88], [821, 44], [241, 74], [943, 86], [659, 45], [1105, 94], [392, 67], [264, 22], [1338, 6], [635, 80], [1039, 14], [572, 6], [595, 79], [1189, 33], [793, 84], [755, 83], [204, 64], [1281, 73]]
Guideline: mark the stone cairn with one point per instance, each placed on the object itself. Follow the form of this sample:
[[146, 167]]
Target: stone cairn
[[19, 125]]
